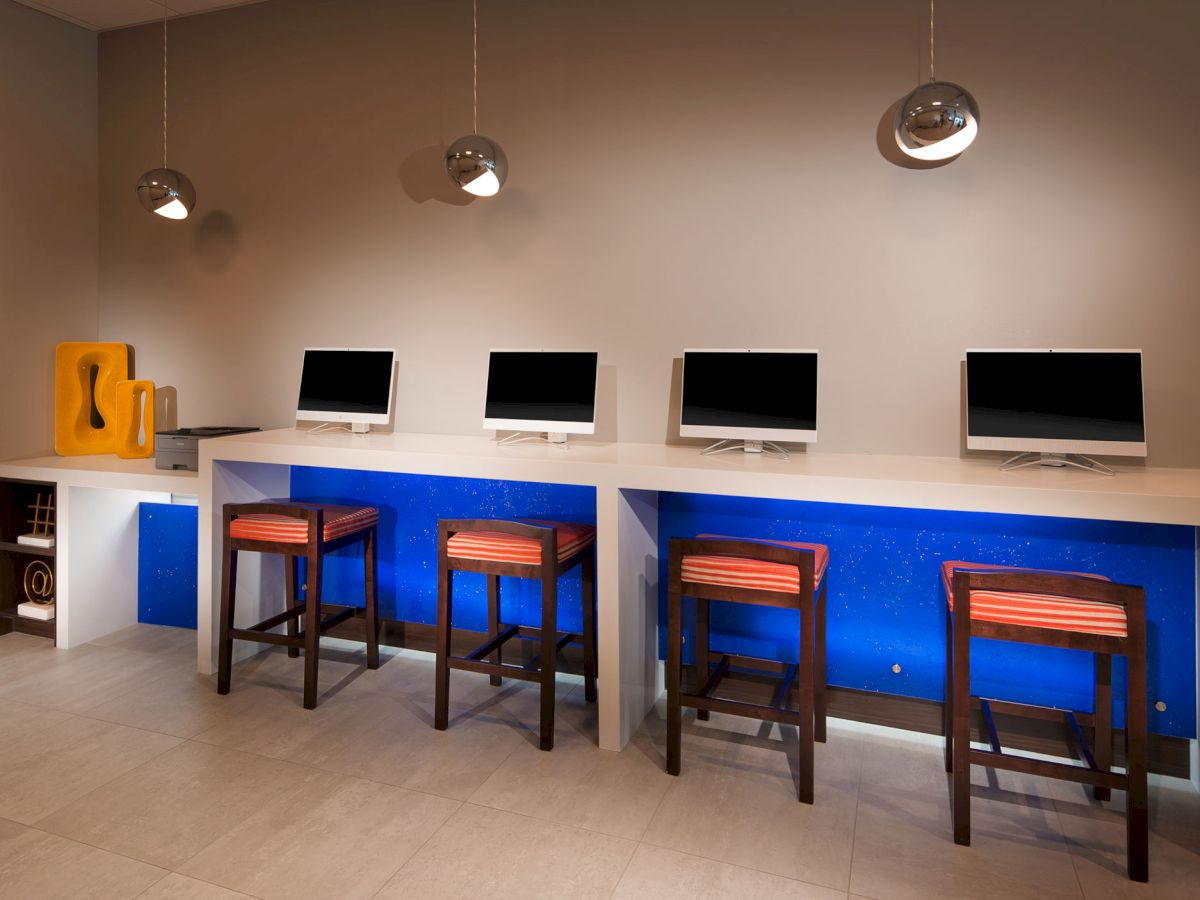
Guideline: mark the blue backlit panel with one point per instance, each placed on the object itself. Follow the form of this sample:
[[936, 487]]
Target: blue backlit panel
[[167, 564], [886, 605], [409, 509]]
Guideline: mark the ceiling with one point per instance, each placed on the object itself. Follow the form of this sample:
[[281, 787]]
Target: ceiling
[[102, 15]]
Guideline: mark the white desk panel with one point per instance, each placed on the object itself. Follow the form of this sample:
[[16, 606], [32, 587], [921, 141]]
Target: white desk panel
[[628, 479], [96, 520]]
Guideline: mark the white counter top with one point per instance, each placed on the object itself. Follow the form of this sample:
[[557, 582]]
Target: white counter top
[[1136, 493], [104, 471]]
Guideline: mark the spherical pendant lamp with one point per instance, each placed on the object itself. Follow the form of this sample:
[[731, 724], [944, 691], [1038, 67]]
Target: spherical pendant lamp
[[477, 164], [166, 192], [938, 120]]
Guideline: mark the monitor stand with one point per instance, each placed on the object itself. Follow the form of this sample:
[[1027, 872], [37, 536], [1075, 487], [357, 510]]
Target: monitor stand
[[768, 447], [1078, 460], [360, 427], [558, 438]]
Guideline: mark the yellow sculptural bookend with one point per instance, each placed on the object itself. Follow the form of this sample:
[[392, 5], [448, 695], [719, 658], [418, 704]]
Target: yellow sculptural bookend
[[85, 384], [135, 414]]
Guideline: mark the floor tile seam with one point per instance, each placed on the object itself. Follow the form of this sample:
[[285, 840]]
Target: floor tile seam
[[512, 812], [326, 771], [862, 761], [223, 887], [745, 868], [94, 718], [102, 785], [725, 862], [166, 870], [444, 823]]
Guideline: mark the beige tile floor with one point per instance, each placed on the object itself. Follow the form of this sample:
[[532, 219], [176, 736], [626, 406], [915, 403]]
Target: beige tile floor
[[123, 774]]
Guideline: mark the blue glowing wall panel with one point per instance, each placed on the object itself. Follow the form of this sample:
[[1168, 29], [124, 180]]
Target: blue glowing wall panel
[[167, 537], [886, 604], [409, 509]]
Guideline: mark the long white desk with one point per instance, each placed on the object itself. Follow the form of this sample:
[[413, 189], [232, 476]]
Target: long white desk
[[96, 547], [627, 479]]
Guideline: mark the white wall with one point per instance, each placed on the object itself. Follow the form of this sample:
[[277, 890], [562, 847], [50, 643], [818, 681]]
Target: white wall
[[683, 174], [48, 214]]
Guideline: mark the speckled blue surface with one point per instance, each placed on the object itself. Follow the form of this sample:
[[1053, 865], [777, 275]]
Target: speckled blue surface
[[885, 599], [886, 604], [409, 509], [167, 564]]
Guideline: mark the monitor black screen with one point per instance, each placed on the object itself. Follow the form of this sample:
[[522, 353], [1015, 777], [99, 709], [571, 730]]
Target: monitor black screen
[[1055, 395], [346, 381], [737, 389], [541, 386]]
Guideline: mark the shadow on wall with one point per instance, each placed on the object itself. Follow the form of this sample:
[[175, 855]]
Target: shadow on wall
[[423, 177], [606, 404], [885, 140], [166, 408], [216, 241], [674, 408]]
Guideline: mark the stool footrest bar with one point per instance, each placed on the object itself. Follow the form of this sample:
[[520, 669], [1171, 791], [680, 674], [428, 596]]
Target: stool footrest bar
[[714, 680], [266, 637], [1048, 769], [993, 738], [495, 643], [279, 618], [487, 668]]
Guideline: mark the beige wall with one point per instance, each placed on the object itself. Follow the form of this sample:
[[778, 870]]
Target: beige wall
[[683, 174], [48, 214]]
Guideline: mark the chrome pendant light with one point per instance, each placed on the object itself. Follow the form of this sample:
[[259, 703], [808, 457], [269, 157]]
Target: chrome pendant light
[[938, 120], [476, 163], [166, 192]]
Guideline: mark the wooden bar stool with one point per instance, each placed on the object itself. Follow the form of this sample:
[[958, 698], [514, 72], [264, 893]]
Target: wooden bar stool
[[529, 549], [1054, 609], [295, 529], [783, 574]]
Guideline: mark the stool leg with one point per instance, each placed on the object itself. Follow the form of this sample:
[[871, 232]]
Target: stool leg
[[701, 660], [1102, 716], [821, 699], [371, 587], [291, 570], [441, 707], [493, 591], [549, 653], [312, 628], [948, 695], [807, 672], [961, 730], [1136, 810], [673, 675], [228, 591], [588, 572]]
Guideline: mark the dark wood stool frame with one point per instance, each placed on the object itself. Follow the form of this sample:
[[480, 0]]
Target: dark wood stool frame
[[487, 658], [309, 608], [960, 756], [810, 717]]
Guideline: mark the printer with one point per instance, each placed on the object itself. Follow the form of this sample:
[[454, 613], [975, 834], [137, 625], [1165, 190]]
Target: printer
[[180, 449]]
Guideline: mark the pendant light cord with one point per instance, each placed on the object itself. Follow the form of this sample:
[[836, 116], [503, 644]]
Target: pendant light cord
[[475, 75], [164, 87], [931, 78]]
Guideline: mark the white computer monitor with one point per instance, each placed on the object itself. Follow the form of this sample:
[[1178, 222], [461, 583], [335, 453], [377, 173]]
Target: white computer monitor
[[551, 391], [749, 396], [1059, 401], [346, 384]]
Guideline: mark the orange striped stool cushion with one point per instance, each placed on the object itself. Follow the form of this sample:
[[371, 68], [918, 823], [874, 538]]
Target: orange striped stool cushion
[[339, 522], [754, 574], [1038, 610], [495, 546]]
